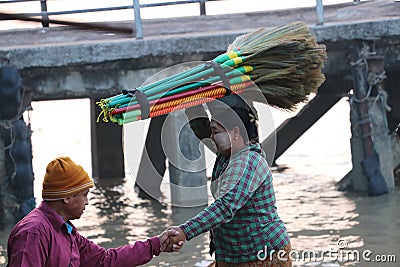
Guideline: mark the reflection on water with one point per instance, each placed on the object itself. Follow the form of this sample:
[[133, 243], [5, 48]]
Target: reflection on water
[[126, 218], [317, 216]]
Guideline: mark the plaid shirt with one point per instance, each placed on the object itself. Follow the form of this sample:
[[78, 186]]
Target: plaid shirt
[[243, 217]]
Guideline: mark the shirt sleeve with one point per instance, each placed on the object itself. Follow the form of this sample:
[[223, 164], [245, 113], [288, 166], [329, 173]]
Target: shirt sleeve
[[136, 254], [23, 254], [238, 184]]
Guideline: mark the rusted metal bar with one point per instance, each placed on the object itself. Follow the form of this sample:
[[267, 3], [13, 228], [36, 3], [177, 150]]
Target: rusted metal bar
[[320, 12], [80, 25], [45, 17], [138, 20], [202, 7]]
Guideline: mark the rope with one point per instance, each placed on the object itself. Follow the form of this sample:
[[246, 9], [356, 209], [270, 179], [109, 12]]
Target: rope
[[7, 125], [165, 99], [177, 102], [191, 101], [373, 80], [198, 99], [360, 100], [382, 97]]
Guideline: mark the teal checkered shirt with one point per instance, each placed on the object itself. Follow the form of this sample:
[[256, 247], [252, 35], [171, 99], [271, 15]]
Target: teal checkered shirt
[[243, 218]]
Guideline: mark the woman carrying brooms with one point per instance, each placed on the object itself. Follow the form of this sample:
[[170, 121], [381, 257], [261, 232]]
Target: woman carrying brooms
[[245, 227], [243, 220], [285, 64]]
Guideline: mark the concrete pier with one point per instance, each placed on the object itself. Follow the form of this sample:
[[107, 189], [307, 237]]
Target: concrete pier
[[153, 161], [382, 143], [369, 126], [3, 176], [106, 145], [185, 154], [16, 172], [396, 160]]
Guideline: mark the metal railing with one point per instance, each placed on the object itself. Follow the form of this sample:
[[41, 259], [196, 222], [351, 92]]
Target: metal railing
[[136, 6]]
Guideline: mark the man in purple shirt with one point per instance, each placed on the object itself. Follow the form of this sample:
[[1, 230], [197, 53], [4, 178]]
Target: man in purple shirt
[[46, 237]]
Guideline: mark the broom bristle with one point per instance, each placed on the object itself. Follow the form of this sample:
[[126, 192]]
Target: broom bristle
[[288, 62]]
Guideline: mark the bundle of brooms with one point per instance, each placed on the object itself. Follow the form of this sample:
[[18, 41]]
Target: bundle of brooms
[[285, 63]]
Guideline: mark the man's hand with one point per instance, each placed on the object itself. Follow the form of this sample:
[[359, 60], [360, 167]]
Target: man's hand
[[167, 241], [177, 240]]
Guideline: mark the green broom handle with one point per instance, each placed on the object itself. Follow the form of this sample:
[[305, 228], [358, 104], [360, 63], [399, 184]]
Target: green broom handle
[[127, 116], [228, 63], [164, 87], [236, 72], [228, 56]]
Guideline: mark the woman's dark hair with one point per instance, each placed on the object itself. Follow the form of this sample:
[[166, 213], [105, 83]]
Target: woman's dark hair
[[247, 123], [232, 111]]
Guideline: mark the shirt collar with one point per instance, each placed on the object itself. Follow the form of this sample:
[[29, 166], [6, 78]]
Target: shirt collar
[[55, 219], [70, 228]]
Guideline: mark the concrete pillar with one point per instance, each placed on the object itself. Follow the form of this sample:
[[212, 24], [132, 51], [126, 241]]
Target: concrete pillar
[[16, 172], [396, 160], [368, 118], [2, 182], [153, 162], [382, 144], [187, 167], [393, 88], [320, 12], [107, 151], [359, 180]]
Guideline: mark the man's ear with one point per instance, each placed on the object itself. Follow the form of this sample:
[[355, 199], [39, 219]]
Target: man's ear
[[66, 200]]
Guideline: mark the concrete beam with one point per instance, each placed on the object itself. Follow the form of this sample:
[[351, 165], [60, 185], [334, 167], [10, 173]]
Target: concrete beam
[[97, 68]]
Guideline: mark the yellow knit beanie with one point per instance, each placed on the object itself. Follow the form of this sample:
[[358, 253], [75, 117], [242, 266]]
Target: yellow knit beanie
[[64, 178]]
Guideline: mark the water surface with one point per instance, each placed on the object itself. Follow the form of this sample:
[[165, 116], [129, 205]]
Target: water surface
[[316, 215]]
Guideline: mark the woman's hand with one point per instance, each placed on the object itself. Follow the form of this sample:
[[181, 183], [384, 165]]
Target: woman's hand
[[171, 240]]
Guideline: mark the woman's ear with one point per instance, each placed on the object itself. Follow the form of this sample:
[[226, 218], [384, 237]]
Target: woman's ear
[[236, 133]]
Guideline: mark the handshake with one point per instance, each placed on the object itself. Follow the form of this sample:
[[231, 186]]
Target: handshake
[[172, 239]]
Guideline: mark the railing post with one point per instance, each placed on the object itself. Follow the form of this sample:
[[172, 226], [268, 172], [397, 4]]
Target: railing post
[[202, 7], [320, 12], [138, 19], [45, 17]]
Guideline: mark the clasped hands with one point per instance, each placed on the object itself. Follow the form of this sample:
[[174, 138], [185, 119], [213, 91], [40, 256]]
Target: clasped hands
[[172, 239]]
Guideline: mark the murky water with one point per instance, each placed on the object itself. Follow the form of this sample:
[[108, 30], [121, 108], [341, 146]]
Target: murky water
[[317, 216]]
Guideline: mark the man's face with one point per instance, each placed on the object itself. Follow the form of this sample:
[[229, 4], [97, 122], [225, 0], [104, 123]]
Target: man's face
[[75, 204]]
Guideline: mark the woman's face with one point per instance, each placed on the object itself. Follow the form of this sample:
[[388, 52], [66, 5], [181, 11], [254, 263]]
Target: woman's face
[[221, 138]]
